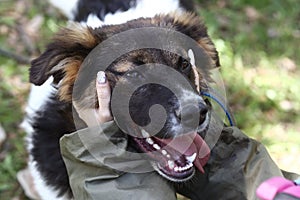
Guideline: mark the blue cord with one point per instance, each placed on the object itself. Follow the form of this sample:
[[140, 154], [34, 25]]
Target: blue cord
[[230, 118]]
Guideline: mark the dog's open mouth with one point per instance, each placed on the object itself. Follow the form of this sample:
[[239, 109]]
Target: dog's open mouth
[[176, 158]]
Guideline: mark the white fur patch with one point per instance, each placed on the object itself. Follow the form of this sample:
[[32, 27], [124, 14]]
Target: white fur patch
[[189, 96], [39, 95], [93, 21], [67, 7], [37, 98], [192, 57], [45, 192]]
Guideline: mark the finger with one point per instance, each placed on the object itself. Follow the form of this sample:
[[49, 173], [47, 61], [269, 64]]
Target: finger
[[104, 94], [89, 117]]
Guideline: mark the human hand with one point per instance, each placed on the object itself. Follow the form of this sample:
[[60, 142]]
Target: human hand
[[94, 117]]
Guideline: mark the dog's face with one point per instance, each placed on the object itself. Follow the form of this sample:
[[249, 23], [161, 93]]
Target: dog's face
[[63, 59], [127, 70]]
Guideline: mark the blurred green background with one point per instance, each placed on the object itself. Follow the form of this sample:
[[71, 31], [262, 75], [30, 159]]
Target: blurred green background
[[258, 42]]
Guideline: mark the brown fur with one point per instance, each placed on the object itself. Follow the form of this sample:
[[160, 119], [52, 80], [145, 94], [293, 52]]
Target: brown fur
[[70, 75]]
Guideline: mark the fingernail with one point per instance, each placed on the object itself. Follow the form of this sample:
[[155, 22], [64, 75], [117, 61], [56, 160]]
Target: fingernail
[[101, 78]]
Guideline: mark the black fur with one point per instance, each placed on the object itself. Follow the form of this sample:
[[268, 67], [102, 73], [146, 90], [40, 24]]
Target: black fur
[[50, 124], [101, 8], [188, 5], [38, 74]]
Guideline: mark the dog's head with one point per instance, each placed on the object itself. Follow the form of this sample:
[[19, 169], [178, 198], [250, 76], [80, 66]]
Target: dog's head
[[63, 60]]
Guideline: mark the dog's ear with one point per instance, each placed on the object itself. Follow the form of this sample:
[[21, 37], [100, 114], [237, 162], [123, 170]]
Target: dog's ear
[[63, 57]]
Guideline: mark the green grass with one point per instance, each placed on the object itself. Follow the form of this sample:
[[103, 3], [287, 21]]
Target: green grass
[[12, 155], [258, 42], [14, 84]]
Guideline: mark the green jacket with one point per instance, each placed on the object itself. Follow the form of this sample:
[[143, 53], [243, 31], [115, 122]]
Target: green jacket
[[235, 169]]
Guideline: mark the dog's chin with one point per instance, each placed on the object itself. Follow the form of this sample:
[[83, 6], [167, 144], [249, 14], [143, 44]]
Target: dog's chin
[[176, 159]]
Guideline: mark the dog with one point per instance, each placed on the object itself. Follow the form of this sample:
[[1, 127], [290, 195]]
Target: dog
[[54, 73]]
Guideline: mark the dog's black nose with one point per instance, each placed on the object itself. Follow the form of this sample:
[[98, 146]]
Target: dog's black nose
[[203, 113], [189, 112]]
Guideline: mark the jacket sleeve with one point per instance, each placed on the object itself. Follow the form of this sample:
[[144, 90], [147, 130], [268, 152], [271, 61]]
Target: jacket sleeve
[[99, 167]]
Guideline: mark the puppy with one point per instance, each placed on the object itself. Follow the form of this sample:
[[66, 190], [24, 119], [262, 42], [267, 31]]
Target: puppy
[[55, 72]]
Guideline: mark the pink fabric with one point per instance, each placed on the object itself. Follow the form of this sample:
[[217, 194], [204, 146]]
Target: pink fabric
[[268, 189]]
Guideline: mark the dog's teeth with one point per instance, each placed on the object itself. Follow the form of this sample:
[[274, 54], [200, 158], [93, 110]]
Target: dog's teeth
[[164, 152], [180, 169], [150, 141], [177, 112], [155, 146], [191, 158], [171, 164], [145, 134]]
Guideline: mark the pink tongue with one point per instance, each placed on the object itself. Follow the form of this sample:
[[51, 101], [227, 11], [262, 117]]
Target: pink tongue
[[188, 145]]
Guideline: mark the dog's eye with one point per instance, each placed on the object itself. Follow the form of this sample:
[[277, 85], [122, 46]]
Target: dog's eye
[[134, 74], [185, 66]]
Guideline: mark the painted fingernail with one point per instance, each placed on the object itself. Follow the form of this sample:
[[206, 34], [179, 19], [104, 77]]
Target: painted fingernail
[[101, 78]]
